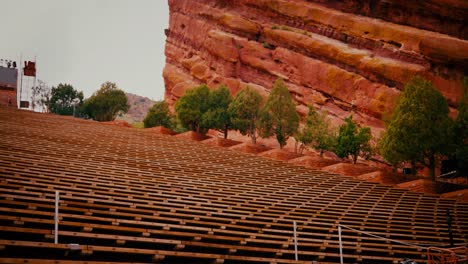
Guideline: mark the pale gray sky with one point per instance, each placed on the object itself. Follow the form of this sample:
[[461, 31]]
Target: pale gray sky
[[88, 42]]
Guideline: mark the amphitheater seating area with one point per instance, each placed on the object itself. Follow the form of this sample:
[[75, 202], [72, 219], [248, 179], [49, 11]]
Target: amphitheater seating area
[[134, 195]]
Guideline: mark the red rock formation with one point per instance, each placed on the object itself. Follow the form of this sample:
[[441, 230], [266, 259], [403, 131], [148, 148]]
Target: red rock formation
[[339, 62], [349, 169], [280, 154], [220, 142], [250, 148], [315, 162], [161, 130], [386, 176], [446, 16], [192, 136]]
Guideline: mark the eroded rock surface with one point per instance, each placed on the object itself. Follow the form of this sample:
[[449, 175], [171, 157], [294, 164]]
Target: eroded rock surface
[[343, 57]]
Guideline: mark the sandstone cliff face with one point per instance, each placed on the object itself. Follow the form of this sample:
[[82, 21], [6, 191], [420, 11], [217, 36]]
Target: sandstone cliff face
[[341, 56]]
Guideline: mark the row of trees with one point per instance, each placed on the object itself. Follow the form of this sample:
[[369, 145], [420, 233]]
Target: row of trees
[[349, 140], [200, 109], [104, 105], [419, 131]]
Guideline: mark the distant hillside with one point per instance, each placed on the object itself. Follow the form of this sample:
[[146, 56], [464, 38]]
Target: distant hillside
[[139, 106]]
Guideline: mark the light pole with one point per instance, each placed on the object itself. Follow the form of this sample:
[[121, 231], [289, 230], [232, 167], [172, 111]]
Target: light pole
[[75, 102]]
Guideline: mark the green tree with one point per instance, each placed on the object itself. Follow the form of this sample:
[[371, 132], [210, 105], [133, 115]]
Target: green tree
[[244, 111], [303, 138], [461, 129], [64, 99], [278, 115], [158, 115], [316, 132], [217, 116], [419, 130], [353, 140], [177, 125], [106, 103], [191, 107]]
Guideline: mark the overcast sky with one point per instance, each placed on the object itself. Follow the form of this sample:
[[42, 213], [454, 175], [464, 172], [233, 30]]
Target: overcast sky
[[88, 42]]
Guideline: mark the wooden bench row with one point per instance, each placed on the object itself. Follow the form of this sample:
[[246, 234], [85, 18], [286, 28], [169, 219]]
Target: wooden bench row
[[260, 214], [131, 196]]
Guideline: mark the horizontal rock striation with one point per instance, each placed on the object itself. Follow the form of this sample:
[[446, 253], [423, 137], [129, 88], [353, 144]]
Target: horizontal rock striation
[[446, 16], [343, 63]]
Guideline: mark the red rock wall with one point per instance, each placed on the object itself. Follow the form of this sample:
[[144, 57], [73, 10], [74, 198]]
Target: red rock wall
[[340, 62], [444, 16]]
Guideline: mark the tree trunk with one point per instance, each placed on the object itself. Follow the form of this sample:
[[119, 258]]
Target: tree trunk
[[355, 158], [254, 137], [225, 132], [321, 153], [301, 148], [432, 166], [251, 132]]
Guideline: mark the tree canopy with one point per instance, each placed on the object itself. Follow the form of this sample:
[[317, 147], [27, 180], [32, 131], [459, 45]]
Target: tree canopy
[[353, 140], [64, 98], [316, 132], [158, 115], [191, 107], [106, 103], [278, 115], [419, 130], [244, 111], [217, 115]]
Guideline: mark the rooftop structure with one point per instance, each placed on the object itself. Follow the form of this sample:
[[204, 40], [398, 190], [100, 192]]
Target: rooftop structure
[[8, 86]]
